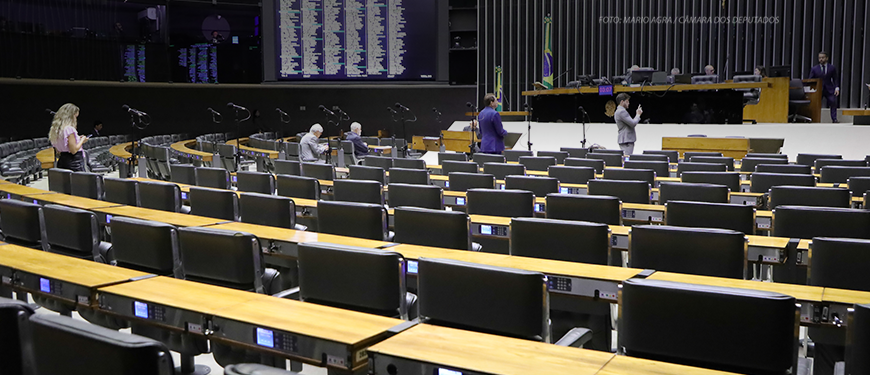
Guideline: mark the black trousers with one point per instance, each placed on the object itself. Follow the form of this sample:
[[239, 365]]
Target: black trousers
[[74, 162]]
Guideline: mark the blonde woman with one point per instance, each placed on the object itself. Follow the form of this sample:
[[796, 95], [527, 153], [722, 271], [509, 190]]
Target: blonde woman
[[66, 140]]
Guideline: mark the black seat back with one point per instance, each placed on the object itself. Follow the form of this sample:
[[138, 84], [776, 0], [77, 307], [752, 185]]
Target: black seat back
[[821, 163], [559, 155], [162, 196], [626, 191], [217, 178], [73, 232], [808, 222], [366, 173], [59, 180], [592, 208], [359, 191], [859, 185], [436, 228], [413, 195], [537, 163], [688, 155], [810, 159], [574, 152], [729, 179], [15, 336], [571, 175], [461, 181], [502, 170], [708, 326], [451, 293], [784, 168], [510, 203], [182, 174], [661, 168], [809, 196], [748, 164], [220, 204], [840, 174], [409, 176], [221, 257], [514, 155], [648, 157], [146, 246], [363, 220], [765, 155], [481, 159], [23, 223], [570, 241], [291, 167], [735, 217], [673, 156], [597, 164], [728, 162], [761, 182], [354, 278], [685, 166], [121, 191], [409, 163], [87, 185], [685, 191], [454, 156], [839, 263], [540, 186], [255, 182], [645, 175], [450, 166], [298, 187], [269, 210], [318, 171], [697, 251], [610, 160], [858, 340]]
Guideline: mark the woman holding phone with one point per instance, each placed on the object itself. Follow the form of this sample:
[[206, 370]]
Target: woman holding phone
[[66, 140]]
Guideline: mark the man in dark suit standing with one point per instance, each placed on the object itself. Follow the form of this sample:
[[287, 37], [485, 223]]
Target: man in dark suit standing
[[830, 82], [491, 129]]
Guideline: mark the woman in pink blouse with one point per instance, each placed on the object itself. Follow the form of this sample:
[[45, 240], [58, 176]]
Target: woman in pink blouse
[[66, 140]]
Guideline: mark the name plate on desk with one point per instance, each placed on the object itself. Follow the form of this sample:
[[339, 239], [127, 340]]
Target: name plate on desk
[[643, 215]]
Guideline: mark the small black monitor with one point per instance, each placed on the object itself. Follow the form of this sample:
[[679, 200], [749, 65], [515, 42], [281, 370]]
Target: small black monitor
[[779, 71], [642, 75]]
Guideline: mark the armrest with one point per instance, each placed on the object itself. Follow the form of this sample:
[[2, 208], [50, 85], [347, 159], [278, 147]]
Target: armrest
[[292, 293], [575, 338], [255, 369]]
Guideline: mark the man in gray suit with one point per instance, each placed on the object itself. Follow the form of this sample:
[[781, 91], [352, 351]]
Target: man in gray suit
[[626, 124], [309, 149]]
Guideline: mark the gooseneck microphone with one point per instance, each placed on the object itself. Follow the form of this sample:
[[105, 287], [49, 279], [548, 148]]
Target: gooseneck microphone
[[324, 109], [400, 106]]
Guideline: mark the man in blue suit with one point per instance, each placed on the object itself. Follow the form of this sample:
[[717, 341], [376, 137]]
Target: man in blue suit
[[830, 82], [491, 130]]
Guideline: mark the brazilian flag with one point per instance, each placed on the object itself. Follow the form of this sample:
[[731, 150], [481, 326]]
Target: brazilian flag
[[548, 52], [499, 91]]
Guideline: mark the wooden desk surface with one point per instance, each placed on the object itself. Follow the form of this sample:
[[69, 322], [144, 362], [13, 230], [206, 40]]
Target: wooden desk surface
[[22, 190], [624, 365], [328, 323], [636, 206], [856, 112], [556, 267], [271, 154], [72, 201], [804, 244], [296, 236], [182, 146], [845, 296], [493, 220], [182, 294], [60, 267], [678, 87], [765, 241], [801, 292], [121, 150], [489, 354], [416, 252], [174, 218], [46, 158]]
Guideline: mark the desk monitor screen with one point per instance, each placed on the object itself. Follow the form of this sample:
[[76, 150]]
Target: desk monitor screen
[[486, 229], [140, 309], [642, 75], [460, 201], [108, 219], [183, 195], [539, 207], [779, 71], [44, 285], [412, 266], [444, 371], [265, 337], [563, 190]]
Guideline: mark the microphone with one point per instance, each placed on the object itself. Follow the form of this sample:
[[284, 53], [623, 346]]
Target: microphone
[[50, 111], [324, 109], [213, 111], [469, 105], [132, 110], [391, 109], [400, 106], [436, 111], [231, 105], [281, 112], [582, 110]]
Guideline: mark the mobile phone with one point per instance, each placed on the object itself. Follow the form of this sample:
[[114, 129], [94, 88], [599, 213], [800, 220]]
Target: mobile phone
[[89, 136]]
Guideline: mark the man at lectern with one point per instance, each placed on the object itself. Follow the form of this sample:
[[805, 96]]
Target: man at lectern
[[491, 130]]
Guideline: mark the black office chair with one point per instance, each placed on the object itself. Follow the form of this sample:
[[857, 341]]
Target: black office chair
[[409, 176], [841, 174], [355, 278], [685, 166], [409, 163], [415, 195], [648, 157], [363, 220], [220, 204], [74, 232], [645, 175], [748, 164], [514, 155], [537, 163], [289, 167], [784, 168], [810, 159], [797, 98], [436, 228], [146, 246], [592, 208], [454, 156], [15, 336], [23, 224], [87, 185], [268, 210], [461, 181], [859, 186], [709, 327], [596, 164], [502, 170], [163, 196], [735, 217], [688, 155], [182, 174], [372, 141], [59, 180], [217, 178], [684, 191], [575, 152], [821, 163], [366, 173], [359, 191], [450, 166], [318, 171], [808, 222], [839, 263], [729, 179], [559, 155], [510, 203], [661, 168], [858, 342], [610, 160], [481, 159], [626, 191], [298, 187], [765, 155], [697, 251], [570, 241], [121, 191], [571, 175], [809, 196], [540, 186], [727, 161], [255, 182], [451, 293], [761, 182], [673, 156]]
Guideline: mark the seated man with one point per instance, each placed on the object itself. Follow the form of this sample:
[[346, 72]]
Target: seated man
[[309, 149], [360, 148]]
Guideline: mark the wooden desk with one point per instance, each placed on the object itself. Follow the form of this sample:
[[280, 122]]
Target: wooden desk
[[15, 191], [732, 147], [381, 149], [251, 151], [174, 218], [814, 109], [414, 252], [624, 365], [69, 201], [861, 116], [319, 335], [845, 296], [185, 148], [801, 292], [772, 103], [122, 150], [425, 348], [678, 87], [457, 140], [57, 276], [46, 158], [423, 143]]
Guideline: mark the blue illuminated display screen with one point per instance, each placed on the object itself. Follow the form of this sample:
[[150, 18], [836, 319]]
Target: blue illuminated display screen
[[108, 219], [412, 266], [44, 285], [539, 207], [140, 309], [460, 201], [486, 229], [444, 371], [265, 338], [183, 195], [563, 190]]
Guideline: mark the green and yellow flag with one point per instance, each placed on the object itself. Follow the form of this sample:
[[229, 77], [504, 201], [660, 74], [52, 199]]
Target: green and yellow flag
[[548, 52], [499, 92]]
